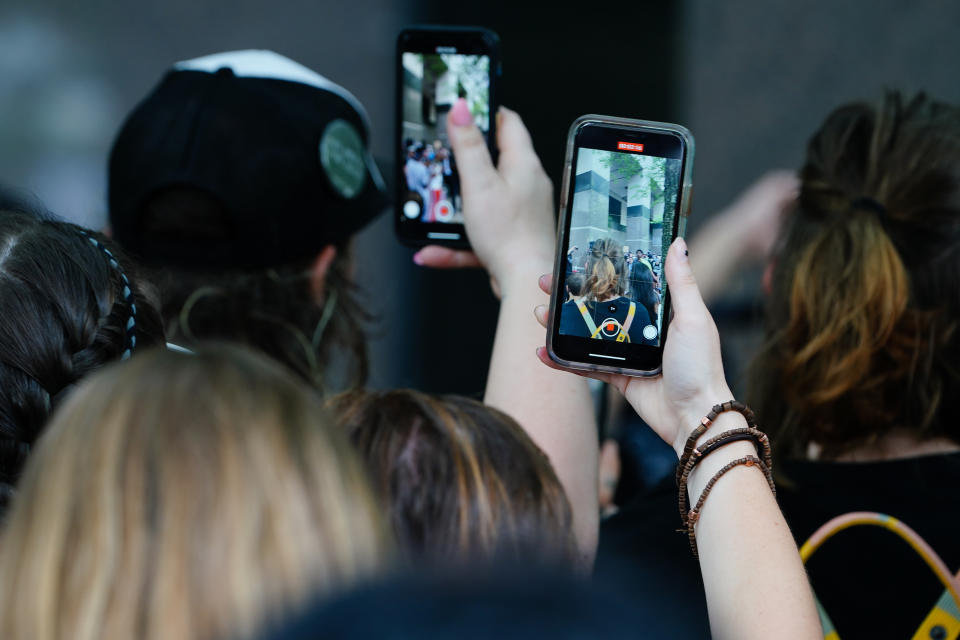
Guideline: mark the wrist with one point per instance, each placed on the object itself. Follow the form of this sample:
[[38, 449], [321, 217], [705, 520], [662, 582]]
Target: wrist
[[522, 275], [694, 411]]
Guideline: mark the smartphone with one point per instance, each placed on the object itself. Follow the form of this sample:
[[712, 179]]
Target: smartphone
[[435, 67], [625, 196]]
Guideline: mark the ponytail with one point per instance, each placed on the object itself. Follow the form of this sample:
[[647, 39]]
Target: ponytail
[[606, 270], [864, 306]]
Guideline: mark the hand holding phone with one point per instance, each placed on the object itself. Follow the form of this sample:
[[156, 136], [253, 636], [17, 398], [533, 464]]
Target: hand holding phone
[[625, 198], [693, 378], [508, 208], [436, 68]]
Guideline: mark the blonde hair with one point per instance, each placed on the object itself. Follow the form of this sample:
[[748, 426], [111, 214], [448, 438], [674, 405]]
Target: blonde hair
[[606, 270], [184, 496]]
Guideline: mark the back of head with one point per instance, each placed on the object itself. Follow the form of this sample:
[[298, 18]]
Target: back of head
[[70, 302], [641, 285], [502, 601], [230, 178], [183, 496], [462, 480], [605, 270], [865, 302]]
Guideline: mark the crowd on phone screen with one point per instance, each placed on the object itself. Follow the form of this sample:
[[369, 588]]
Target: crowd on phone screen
[[176, 460], [624, 280], [428, 169]]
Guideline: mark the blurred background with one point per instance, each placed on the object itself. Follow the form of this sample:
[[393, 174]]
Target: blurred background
[[750, 78]]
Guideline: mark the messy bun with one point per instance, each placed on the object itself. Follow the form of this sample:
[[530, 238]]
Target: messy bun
[[862, 317], [605, 268]]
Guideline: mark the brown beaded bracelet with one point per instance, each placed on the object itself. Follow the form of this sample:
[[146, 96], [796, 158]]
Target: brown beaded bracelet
[[759, 438], [694, 514], [706, 421]]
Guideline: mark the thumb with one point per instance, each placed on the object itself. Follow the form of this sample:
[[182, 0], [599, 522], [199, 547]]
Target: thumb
[[470, 149], [684, 293]]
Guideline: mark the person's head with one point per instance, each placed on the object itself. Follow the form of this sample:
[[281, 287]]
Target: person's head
[[461, 480], [241, 178], [70, 302], [639, 253], [184, 496], [864, 308], [641, 284], [575, 282], [605, 269]]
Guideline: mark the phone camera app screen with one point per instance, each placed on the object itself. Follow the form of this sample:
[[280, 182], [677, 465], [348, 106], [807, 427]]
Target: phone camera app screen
[[613, 283], [432, 83]]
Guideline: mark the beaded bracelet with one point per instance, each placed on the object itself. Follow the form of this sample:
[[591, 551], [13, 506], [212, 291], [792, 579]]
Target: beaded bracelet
[[759, 438], [706, 421], [694, 514]]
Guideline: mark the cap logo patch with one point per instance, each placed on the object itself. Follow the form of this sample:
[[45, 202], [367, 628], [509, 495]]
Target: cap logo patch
[[341, 156]]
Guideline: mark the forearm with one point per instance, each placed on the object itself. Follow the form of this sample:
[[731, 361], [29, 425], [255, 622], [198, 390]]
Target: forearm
[[715, 254], [554, 407], [754, 579]]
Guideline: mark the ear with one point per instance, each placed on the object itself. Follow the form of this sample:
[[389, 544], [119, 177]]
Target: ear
[[319, 270]]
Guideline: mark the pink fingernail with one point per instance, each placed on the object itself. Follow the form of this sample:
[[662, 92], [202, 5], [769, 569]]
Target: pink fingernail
[[417, 259], [460, 113]]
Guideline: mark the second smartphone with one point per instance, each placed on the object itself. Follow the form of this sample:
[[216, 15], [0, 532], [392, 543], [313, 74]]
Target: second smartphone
[[625, 197], [435, 67]]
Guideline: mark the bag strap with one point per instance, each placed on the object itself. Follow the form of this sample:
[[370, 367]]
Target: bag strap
[[945, 613], [591, 325]]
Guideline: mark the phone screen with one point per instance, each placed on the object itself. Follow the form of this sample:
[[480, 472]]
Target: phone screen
[[622, 213], [436, 69]]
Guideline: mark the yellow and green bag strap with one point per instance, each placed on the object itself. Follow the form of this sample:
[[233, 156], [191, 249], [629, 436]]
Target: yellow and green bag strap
[[624, 334], [591, 325], [945, 613]]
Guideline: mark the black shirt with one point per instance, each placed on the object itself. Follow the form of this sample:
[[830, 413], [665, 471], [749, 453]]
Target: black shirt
[[573, 324], [869, 581]]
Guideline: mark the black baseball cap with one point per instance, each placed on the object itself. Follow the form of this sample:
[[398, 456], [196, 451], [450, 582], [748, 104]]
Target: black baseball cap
[[280, 152]]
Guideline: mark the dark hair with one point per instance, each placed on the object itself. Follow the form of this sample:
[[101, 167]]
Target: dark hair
[[575, 282], [503, 601], [862, 319], [70, 302], [641, 288], [462, 481], [272, 310]]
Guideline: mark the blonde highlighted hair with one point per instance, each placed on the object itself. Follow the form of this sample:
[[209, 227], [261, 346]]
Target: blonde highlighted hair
[[606, 270], [184, 496]]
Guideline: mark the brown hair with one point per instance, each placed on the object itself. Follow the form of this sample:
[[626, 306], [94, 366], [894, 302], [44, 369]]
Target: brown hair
[[183, 496], [461, 480], [271, 309], [606, 270], [865, 299]]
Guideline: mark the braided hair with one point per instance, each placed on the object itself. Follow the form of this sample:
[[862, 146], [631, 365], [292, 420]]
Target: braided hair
[[69, 303]]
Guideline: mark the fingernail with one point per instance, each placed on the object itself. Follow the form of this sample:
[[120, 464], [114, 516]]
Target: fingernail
[[417, 259], [540, 308], [541, 351], [460, 113], [544, 280]]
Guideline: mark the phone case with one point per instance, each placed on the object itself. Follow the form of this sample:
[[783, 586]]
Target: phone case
[[492, 42], [684, 212]]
